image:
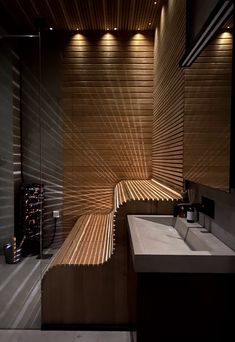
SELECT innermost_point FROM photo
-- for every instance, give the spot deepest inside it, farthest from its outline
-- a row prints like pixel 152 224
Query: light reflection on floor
pixel 20 293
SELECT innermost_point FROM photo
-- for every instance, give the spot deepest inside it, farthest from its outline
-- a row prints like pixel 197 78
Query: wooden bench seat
pixel 90 242
pixel 90 280
pixel 136 190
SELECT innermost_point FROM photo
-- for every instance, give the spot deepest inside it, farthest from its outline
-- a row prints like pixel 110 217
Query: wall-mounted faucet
pixel 207 207
pixel 184 206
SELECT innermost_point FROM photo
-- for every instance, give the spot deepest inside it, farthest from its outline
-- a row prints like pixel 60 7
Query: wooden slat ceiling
pixel 71 15
pixel 229 23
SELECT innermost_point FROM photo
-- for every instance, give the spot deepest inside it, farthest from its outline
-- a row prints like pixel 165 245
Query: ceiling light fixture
pixel 107 29
pixel 115 28
pixel 228 27
pixel 155 3
pixel 51 28
pixel 138 28
pixel 150 23
pixel 77 29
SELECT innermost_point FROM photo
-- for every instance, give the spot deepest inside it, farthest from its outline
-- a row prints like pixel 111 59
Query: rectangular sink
pixel 162 243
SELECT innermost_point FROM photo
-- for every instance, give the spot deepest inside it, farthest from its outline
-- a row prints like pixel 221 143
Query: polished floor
pixel 63 336
pixel 20 313
pixel 20 293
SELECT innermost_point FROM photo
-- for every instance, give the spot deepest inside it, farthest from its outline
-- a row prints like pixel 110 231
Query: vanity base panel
pixel 189 307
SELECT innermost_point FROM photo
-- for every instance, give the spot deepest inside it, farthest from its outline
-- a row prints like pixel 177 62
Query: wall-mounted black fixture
pixel 208 207
pixel 185 207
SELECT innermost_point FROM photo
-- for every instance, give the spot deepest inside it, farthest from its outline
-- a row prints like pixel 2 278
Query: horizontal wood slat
pixel 167 161
pixel 108 101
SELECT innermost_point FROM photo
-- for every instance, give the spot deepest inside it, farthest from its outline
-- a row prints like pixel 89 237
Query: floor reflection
pixel 20 293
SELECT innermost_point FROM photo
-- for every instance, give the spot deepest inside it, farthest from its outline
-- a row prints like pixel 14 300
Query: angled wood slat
pixel 91 241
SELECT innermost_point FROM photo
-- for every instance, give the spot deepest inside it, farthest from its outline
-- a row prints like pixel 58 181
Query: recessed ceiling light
pixel 115 28
pixel 77 29
pixel 107 29
pixel 228 26
pixel 150 24
pixel 51 28
pixel 155 3
pixel 138 28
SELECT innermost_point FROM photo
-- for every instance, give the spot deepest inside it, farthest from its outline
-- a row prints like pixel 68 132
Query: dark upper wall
pixel 108 99
pixel 6 146
pixel 168 112
pixel 198 13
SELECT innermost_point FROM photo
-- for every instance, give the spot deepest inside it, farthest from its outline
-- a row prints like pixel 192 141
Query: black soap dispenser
pixel 190 215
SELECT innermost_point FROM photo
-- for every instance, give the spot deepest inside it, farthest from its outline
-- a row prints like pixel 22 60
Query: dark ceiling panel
pixel 69 15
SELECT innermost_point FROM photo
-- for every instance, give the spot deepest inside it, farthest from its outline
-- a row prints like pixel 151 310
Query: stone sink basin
pixel 162 243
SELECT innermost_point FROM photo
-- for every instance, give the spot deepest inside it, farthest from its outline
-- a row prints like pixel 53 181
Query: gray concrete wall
pixel 223 225
pixel 6 147
pixel 42 127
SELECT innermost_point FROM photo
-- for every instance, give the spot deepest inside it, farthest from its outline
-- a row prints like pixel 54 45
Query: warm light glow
pixel 155 3
pixel 77 29
pixel 107 35
pixel 228 27
pixel 138 36
pixel 105 38
pixel 162 19
pixel 225 35
pixel 79 36
pixel 115 28
pixel 150 24
pixel 138 28
pixel 51 28
pixel 108 29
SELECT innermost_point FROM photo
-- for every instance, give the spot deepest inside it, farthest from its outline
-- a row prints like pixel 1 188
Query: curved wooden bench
pixel 100 295
pixel 90 242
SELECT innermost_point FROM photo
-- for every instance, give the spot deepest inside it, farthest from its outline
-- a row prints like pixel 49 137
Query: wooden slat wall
pixel 207 114
pixel 108 101
pixel 169 95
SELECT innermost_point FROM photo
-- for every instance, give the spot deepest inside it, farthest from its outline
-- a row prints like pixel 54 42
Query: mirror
pixel 207 123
